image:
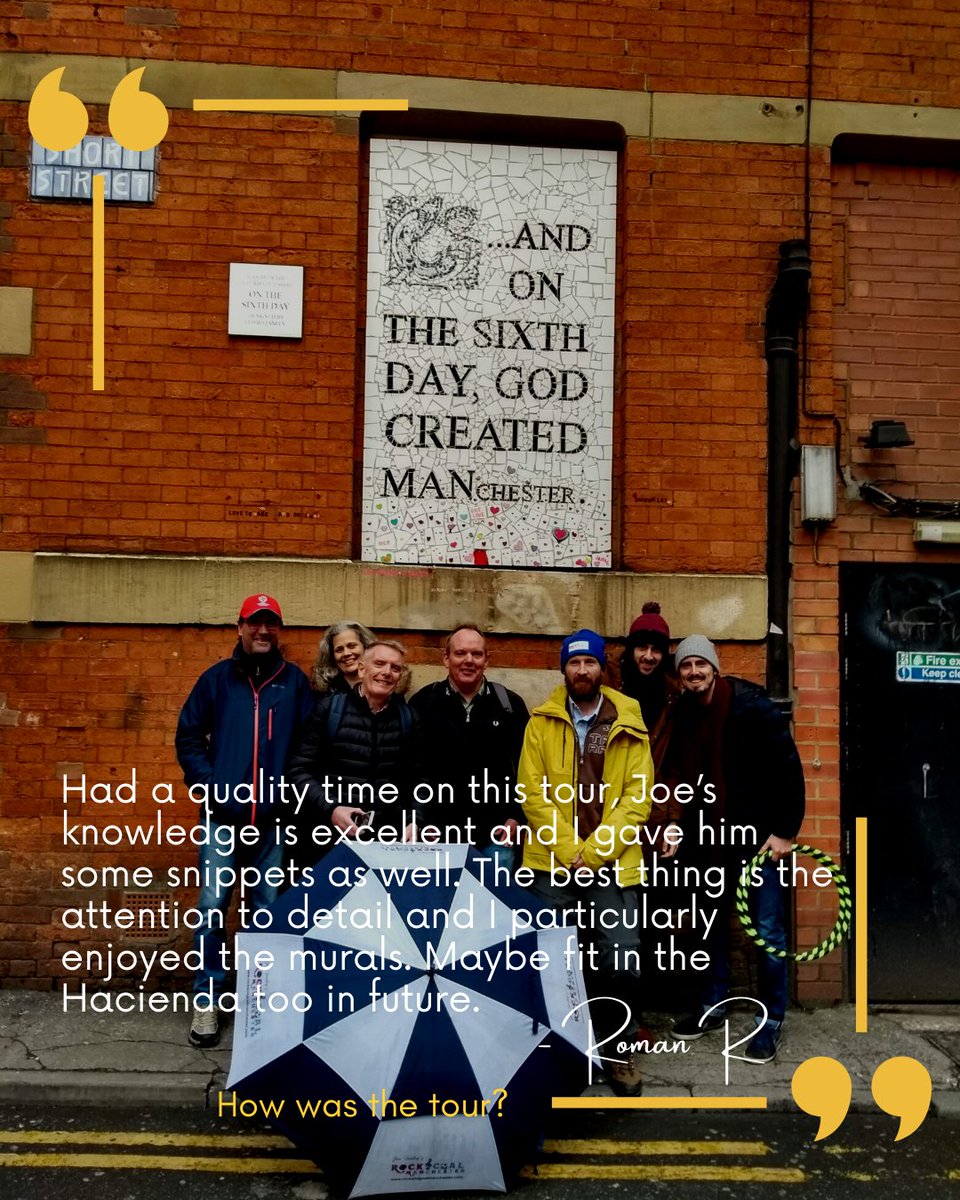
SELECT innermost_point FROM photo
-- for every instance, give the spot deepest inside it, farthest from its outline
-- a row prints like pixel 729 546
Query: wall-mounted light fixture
pixel 818 487
pixel 944 532
pixel 887 435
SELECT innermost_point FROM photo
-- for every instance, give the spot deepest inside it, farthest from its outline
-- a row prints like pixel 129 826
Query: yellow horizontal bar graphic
pixel 647 1149
pixel 661 1102
pixel 703 1173
pixel 164 1162
pixel 287 105
pixel 80 1137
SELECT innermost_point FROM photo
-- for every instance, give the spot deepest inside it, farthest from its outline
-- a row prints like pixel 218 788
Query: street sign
pixel 915 666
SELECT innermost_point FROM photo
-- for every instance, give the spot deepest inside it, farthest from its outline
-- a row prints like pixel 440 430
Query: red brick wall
pixel 891 54
pixel 675 46
pixel 199 442
pixel 701 231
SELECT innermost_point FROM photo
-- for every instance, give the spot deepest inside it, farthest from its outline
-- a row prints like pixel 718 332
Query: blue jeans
pixel 215 897
pixel 766 905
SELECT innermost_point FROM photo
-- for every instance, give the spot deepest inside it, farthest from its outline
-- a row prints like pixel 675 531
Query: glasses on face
pixel 261 622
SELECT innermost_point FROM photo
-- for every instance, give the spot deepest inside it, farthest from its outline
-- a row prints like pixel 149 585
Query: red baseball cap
pixel 260 602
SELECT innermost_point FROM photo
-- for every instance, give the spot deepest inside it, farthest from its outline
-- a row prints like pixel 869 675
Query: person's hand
pixel 670 847
pixel 410 833
pixel 779 847
pixel 344 819
pixel 509 828
pixel 579 865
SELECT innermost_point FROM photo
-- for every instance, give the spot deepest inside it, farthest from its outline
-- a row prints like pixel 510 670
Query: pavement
pixel 144 1059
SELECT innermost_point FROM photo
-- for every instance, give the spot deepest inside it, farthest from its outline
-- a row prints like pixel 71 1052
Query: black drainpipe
pixel 786 311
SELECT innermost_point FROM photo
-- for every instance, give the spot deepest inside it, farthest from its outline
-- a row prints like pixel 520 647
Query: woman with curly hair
pixel 337 667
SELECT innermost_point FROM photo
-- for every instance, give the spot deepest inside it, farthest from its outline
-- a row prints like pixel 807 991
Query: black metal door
pixel 901 738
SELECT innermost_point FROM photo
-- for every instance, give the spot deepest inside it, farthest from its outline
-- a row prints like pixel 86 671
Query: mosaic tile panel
pixel 489 355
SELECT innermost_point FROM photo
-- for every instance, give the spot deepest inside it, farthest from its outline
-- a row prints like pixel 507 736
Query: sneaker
pixel 624 1076
pixel 688 1029
pixel 763 1046
pixel 205 1029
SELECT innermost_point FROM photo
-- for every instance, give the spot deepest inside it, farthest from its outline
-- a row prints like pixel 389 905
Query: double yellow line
pixel 681 1171
pixel 273 1165
pixel 276 1163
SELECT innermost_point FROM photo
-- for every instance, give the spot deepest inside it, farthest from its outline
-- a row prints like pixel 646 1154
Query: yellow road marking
pixel 601 1146
pixel 219 1141
pixel 164 1162
pixel 661 1102
pixel 703 1173
pixel 287 105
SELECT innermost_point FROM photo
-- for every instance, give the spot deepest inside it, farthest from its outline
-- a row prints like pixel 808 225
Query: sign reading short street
pixel 928 667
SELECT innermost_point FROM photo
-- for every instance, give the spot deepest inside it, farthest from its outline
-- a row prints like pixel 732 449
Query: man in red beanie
pixel 646 677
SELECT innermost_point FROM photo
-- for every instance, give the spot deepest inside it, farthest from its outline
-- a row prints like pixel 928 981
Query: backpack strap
pixel 502 695
pixel 338 703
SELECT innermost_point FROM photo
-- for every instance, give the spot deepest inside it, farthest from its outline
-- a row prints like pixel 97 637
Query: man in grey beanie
pixel 733 745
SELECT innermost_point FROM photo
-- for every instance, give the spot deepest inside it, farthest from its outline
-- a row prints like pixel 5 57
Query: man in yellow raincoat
pixel 586 774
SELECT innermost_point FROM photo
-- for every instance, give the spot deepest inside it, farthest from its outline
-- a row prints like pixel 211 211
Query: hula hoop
pixel 836 935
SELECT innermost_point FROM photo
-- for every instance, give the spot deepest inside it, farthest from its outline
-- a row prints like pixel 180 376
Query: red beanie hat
pixel 650 621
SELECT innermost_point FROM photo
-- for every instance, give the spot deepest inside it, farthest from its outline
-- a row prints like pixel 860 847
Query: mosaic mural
pixel 489 356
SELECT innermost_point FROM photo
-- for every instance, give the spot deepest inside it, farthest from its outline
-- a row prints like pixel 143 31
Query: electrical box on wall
pixel 818 489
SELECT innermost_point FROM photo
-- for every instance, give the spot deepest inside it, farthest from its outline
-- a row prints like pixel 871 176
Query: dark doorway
pixel 901 742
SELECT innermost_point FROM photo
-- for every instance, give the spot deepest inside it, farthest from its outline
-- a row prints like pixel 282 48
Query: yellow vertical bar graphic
pixel 860 926
pixel 98 283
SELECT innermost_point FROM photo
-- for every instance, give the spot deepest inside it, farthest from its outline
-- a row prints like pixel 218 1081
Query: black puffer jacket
pixel 761 765
pixel 366 748
pixel 455 748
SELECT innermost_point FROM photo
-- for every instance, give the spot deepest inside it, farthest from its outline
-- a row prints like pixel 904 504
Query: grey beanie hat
pixel 697 646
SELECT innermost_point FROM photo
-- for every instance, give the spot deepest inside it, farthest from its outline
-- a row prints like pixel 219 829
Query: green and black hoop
pixel 836 935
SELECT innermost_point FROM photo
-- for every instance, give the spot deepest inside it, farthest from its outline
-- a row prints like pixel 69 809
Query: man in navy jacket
pixel 237 728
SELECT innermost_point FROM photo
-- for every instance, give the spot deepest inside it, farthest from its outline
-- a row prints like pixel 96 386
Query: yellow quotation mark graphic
pixel 900 1086
pixel 138 120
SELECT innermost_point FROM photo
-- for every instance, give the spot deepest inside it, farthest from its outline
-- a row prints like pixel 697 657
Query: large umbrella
pixel 407 1022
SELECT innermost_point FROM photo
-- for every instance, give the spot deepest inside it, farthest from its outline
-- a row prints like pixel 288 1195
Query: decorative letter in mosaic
pixel 489 358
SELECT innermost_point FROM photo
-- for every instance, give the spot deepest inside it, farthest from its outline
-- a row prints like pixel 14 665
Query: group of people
pixel 569 785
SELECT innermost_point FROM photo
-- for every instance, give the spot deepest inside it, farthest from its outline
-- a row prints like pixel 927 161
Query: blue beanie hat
pixel 584 641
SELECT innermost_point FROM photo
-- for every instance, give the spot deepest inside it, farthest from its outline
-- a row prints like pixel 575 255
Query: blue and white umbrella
pixel 408 1022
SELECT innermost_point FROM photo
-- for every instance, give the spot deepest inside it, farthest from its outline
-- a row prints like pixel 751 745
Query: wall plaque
pixel 266 300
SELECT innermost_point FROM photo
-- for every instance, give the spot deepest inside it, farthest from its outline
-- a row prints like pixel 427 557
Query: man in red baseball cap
pixel 238 726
